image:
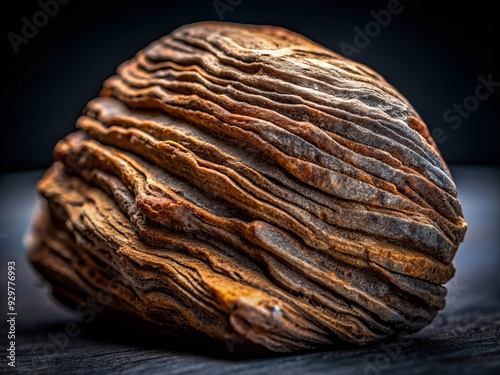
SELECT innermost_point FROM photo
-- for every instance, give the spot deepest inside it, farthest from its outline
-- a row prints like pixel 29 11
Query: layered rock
pixel 244 183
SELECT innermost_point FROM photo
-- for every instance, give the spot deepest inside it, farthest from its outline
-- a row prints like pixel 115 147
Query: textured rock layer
pixel 244 183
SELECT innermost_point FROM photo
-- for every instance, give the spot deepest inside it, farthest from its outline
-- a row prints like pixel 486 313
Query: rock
pixel 246 184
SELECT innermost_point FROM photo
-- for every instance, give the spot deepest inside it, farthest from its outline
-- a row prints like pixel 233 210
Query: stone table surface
pixel 52 339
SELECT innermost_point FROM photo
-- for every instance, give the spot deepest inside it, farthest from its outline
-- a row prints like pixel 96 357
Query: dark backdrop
pixel 436 57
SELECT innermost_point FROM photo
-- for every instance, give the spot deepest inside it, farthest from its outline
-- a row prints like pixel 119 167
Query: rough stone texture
pixel 245 184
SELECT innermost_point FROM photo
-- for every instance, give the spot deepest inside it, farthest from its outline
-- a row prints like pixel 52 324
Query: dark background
pixel 433 56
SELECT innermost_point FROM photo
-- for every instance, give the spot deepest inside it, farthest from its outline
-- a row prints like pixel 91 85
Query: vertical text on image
pixel 11 314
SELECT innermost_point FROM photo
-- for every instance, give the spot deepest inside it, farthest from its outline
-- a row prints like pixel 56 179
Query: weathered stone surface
pixel 244 183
